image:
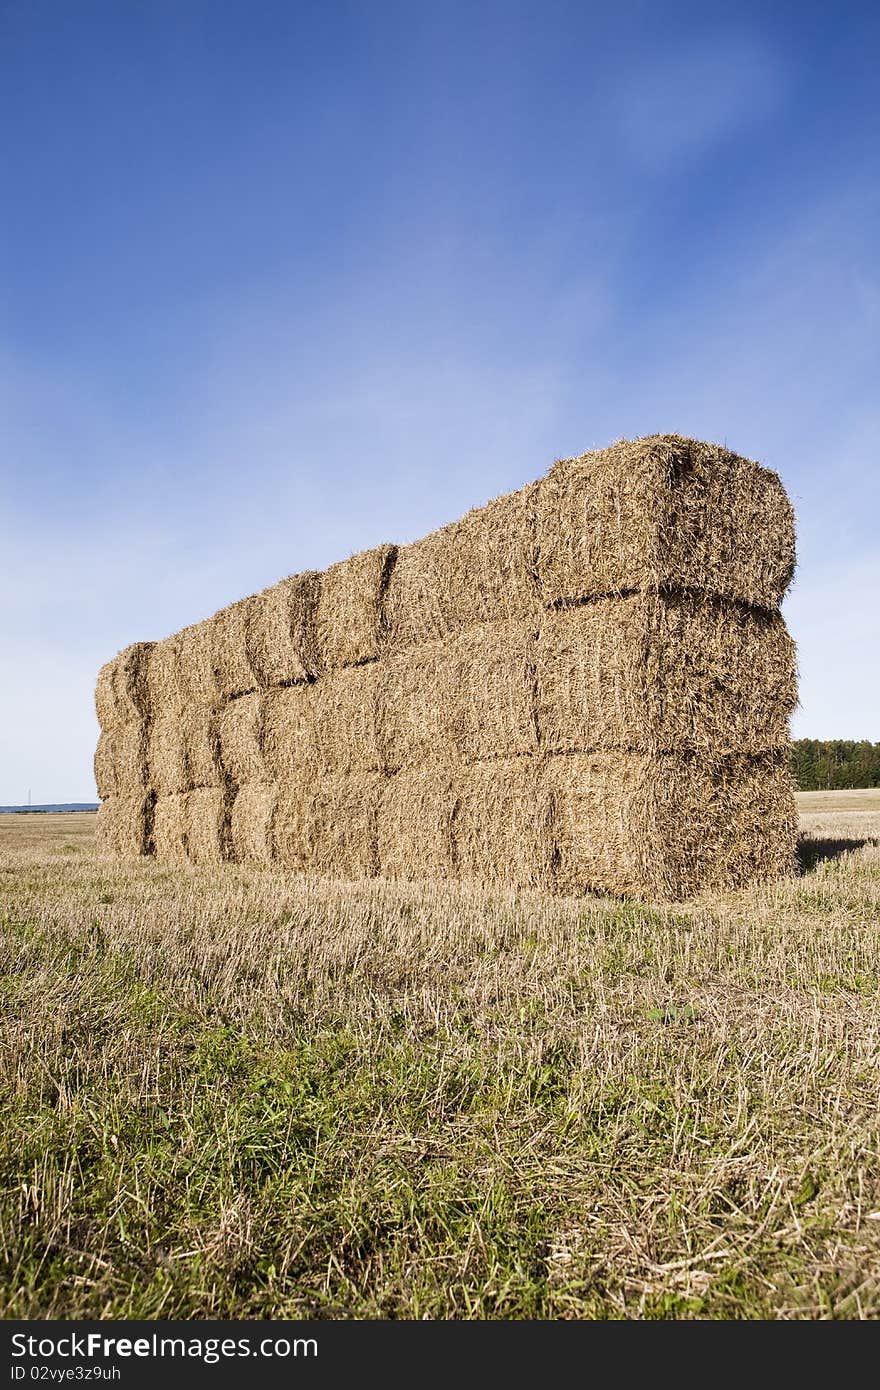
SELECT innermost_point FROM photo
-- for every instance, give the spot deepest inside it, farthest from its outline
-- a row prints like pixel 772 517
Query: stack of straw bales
pixel 582 686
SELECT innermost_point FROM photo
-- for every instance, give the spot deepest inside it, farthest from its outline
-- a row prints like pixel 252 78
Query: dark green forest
pixel 835 763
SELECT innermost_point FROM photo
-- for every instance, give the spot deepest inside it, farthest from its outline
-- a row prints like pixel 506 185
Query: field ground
pixel 240 1094
pixel 864 800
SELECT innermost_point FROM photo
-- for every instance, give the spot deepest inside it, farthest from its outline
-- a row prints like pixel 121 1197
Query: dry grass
pixel 233 1091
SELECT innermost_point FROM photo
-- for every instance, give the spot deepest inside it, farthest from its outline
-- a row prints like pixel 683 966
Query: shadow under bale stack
pixel 583 686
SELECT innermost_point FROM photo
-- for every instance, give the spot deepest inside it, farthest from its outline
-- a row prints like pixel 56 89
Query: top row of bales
pixel 661 514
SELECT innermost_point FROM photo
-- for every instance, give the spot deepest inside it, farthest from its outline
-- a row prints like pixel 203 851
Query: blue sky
pixel 282 281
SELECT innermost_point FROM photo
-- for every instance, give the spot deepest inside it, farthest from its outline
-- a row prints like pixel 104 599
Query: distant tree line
pixel 835 763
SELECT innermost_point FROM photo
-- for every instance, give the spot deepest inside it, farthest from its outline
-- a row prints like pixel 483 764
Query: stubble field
pixel 235 1093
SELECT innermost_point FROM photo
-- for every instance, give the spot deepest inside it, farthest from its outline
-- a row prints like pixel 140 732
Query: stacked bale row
pixel 584 685
pixel 121 771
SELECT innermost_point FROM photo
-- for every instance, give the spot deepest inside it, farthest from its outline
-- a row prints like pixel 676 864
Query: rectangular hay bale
pixel 584 685
pixel 230 649
pixel 350 612
pixel 163 677
pixel 328 726
pixel 191 827
pixel 207 822
pixel 502 828
pixel 252 823
pixel 121 760
pixel 184 750
pixel 166 755
pixel 195 655
pixel 123 826
pixel 479 569
pixel 665 672
pixel 169 829
pixel 467 697
pixel 343 712
pixel 662 513
pixel 415 824
pixel 669 826
pixel 288 744
pixel 121 693
pixel 282 632
pixel 328 825
pixel 202 746
pixel 409 715
pixel 240 732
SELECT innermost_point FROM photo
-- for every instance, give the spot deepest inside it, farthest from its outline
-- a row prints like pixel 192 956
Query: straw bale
pixel 121 689
pixel 479 569
pixel 328 726
pixel 487 691
pixel 415 824
pixel 123 825
pixel 206 821
pixel 163 676
pixel 169 829
pixel 191 826
pixel 166 755
pixel 328 825
pixel 282 639
pixel 201 746
pixel 195 653
pixel 229 635
pixel 350 612
pixel 121 760
pixel 343 711
pixel 502 829
pixel 672 825
pixel 252 821
pixel 468 697
pixel 664 672
pixel 664 512
pixel 410 716
pixel 184 750
pixel 240 727
pixel 288 742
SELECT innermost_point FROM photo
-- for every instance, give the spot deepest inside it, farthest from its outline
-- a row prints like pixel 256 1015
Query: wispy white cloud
pixel 680 100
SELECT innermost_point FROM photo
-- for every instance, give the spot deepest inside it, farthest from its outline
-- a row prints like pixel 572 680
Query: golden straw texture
pixel 350 613
pixel 581 686
pixel 664 513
